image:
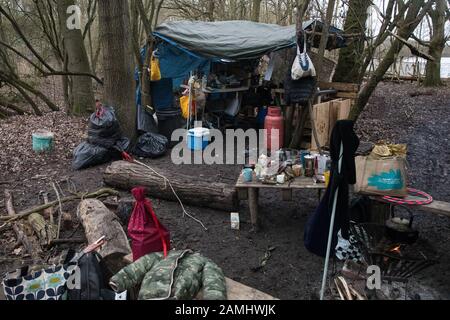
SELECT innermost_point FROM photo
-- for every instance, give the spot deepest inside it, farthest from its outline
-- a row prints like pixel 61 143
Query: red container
pixel 274 125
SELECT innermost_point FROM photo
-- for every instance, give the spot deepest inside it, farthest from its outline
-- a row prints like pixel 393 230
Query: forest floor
pixel 291 272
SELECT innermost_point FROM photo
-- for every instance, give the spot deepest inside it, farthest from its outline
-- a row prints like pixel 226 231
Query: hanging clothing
pixel 318 226
pixel 299 91
pixel 162 94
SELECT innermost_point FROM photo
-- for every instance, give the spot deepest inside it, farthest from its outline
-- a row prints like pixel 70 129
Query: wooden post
pixel 253 206
pixel 288 123
pixel 297 138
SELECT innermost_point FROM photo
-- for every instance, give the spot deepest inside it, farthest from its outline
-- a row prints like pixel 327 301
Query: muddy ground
pixel 291 272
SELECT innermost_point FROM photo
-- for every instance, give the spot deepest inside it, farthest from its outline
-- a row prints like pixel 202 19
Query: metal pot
pixel 401 230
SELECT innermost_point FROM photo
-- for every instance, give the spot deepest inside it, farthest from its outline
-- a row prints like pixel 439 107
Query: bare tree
pixel 440 14
pixel 115 31
pixel 351 57
pixel 76 60
pixel 415 12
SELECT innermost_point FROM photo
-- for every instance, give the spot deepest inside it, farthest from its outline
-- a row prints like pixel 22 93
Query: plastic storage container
pixel 168 121
pixel 274 121
pixel 198 139
pixel 43 141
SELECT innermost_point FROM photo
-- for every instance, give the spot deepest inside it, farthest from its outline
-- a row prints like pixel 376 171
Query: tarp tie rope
pixel 100 112
pixel 130 159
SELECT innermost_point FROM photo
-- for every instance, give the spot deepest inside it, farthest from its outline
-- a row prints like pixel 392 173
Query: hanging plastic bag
pixel 148 235
pixel 155 70
pixel 303 66
pixel 184 102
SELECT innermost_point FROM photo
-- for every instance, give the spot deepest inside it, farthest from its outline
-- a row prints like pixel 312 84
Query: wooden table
pixel 250 191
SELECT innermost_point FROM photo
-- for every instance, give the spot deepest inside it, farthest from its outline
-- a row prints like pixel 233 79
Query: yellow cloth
pixel 184 102
pixel 155 71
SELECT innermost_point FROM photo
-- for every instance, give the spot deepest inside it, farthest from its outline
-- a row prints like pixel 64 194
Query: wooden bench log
pixel 191 189
pixel 436 207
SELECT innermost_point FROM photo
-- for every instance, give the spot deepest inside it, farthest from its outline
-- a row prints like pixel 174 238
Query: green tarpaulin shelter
pixel 236 40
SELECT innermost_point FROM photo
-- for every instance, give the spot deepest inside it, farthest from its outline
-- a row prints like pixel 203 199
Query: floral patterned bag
pixel 45 284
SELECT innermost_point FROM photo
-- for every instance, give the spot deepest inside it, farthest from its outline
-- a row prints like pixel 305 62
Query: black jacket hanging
pixel 318 226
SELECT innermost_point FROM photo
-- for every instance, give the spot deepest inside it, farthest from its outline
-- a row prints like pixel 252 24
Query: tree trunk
pixel 191 190
pixel 324 38
pixel 118 62
pixel 256 10
pixel 408 26
pixel 211 9
pixel 351 58
pixel 437 45
pixel 83 100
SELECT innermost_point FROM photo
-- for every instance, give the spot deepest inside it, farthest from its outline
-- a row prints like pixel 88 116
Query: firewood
pixel 30 245
pixel 46 232
pixel 105 192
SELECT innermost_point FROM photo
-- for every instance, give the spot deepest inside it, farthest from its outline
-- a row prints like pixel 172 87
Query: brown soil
pixel 291 272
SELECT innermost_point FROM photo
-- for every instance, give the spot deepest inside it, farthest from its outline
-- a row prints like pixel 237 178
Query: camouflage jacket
pixel 180 276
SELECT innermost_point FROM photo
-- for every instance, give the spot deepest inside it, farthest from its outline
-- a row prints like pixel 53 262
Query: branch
pixel 105 192
pixel 420 41
pixel 413 49
pixel 52 72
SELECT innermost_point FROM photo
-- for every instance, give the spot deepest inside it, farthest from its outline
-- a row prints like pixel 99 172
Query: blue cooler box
pixel 198 139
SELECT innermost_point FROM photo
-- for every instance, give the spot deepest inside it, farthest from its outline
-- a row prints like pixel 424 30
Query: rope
pixel 427 199
pixel 128 158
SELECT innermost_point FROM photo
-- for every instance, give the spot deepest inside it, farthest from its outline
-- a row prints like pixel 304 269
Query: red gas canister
pixel 274 126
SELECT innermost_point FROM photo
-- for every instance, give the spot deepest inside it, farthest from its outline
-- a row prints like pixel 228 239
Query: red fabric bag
pixel 148 235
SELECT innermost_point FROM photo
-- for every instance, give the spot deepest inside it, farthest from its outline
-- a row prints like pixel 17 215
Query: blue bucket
pixel 43 141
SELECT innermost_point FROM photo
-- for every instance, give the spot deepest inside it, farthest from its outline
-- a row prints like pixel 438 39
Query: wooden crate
pixel 344 90
pixel 325 117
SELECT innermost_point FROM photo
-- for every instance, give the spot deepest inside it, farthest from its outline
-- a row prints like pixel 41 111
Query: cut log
pixel 98 221
pixel 190 189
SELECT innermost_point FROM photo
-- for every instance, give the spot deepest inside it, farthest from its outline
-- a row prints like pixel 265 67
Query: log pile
pixel 124 175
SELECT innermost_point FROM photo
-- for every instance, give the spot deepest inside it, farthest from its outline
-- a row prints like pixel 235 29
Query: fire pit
pixel 397 262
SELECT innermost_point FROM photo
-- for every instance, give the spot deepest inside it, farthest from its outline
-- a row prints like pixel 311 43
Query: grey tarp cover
pixel 229 39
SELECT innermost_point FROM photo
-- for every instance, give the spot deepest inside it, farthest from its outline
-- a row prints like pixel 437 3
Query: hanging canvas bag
pixel 303 66
pixel 148 235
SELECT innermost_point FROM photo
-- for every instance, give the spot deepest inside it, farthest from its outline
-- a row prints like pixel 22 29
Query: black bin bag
pixel 88 155
pixel 104 128
pixel 151 145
